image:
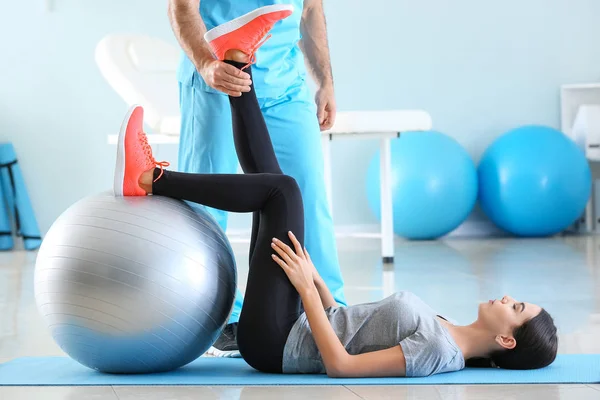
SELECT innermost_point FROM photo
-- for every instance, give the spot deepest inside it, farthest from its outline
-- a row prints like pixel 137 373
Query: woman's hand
pixel 295 263
pixel 315 273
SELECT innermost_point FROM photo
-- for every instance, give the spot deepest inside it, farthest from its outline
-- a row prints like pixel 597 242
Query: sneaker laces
pixel 254 49
pixel 150 158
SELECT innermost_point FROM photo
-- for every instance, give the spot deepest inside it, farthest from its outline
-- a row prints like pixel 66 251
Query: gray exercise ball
pixel 135 284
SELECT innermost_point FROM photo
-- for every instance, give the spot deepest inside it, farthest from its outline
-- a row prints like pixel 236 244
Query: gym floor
pixel 453 276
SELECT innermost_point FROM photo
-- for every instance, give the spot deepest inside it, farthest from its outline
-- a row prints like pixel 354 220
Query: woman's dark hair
pixel 537 344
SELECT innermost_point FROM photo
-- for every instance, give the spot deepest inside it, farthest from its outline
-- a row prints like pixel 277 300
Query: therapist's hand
pixel 326 108
pixel 225 78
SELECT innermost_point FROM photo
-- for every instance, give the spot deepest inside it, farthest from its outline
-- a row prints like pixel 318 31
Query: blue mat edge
pixel 187 376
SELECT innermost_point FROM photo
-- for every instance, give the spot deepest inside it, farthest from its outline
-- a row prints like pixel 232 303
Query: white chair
pixel 142 70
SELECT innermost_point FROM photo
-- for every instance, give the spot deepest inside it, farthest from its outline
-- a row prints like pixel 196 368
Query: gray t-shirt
pixel 402 319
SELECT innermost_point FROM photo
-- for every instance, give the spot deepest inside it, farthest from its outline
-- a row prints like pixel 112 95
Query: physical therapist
pixel 294 118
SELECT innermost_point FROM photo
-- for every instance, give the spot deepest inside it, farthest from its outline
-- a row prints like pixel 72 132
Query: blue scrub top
pixel 279 62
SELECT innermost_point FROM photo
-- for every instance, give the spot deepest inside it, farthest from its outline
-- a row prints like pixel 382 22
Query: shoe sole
pixel 214 352
pixel 237 23
pixel 120 164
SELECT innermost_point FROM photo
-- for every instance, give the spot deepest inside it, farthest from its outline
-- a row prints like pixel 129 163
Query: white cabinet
pixel 580 120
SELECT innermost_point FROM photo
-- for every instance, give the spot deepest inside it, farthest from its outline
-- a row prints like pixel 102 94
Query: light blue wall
pixel 54 105
pixel 478 67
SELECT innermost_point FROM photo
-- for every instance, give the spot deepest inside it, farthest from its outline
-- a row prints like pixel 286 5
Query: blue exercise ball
pixel 434 185
pixel 534 181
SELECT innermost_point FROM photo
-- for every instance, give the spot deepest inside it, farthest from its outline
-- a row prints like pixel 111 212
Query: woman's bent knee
pixel 287 186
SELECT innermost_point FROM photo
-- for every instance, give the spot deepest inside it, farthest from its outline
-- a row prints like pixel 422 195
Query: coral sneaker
pixel 134 155
pixel 246 33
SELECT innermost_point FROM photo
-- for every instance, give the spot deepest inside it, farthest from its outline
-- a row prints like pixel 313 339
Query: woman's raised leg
pixel 271 303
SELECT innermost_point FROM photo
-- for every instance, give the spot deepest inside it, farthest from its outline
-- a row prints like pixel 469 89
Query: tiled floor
pixel 561 274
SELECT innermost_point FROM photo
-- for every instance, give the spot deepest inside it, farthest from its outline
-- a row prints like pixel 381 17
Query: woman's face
pixel 502 316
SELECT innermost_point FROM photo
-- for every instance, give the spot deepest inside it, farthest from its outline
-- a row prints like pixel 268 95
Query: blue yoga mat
pixel 62 371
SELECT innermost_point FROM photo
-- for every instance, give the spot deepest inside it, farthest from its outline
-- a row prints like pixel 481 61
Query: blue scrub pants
pixel 206 146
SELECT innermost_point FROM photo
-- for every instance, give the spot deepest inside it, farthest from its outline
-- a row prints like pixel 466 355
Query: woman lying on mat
pixel 290 322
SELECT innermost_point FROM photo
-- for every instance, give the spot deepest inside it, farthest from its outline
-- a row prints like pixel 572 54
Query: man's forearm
pixel 314 43
pixel 189 30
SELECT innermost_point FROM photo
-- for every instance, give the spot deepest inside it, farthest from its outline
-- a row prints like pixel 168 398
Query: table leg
pixel 388 280
pixel 387 217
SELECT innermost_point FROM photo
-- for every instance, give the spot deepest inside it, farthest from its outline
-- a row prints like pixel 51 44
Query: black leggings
pixel 272 304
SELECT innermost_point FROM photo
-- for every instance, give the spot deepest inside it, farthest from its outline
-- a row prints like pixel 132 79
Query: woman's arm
pixel 381 363
pixel 300 274
pixel 332 351
pixel 324 293
pixel 338 363
pixel 327 299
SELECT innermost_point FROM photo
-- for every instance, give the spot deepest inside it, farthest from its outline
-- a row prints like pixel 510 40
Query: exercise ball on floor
pixel 534 181
pixel 135 284
pixel 434 185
